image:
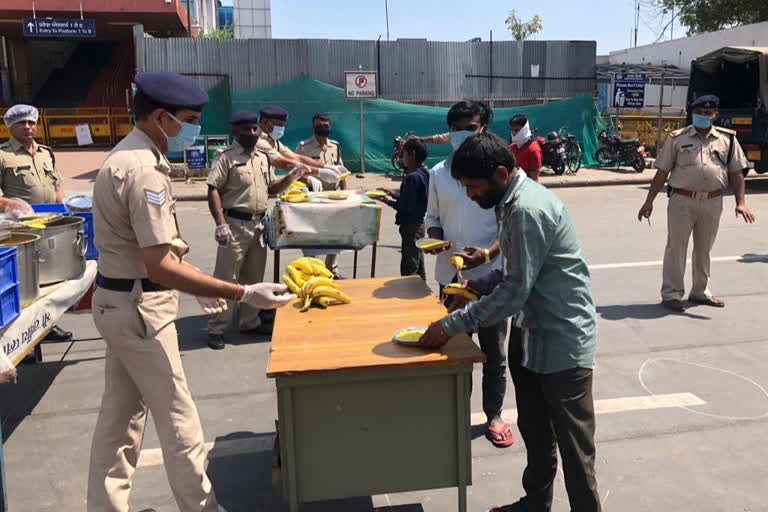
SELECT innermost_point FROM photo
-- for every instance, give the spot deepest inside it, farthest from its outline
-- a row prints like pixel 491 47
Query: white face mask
pixel 523 135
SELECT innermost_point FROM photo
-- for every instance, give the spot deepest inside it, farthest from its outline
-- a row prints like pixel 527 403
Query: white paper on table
pixel 83 134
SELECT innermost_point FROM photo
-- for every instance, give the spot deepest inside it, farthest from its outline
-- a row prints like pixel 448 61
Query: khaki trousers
pixel 686 215
pixel 143 373
pixel 243 260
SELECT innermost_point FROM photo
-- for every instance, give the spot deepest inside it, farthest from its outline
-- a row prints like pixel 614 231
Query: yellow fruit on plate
pixel 428 244
pixel 376 193
pixel 411 335
pixel 345 175
pixel 297 184
pixel 338 197
pixel 457 289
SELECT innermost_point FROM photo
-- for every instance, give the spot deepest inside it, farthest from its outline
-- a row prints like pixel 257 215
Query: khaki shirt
pixel 698 163
pixel 328 153
pixel 32 178
pixel 133 207
pixel 442 138
pixel 273 148
pixel 242 180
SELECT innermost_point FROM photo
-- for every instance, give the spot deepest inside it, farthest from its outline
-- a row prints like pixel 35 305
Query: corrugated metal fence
pixel 413 70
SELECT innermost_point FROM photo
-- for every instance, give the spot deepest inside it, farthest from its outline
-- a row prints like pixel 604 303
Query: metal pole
pixel 637 22
pixel 362 139
pixel 661 114
pixel 386 13
pixel 672 25
pixel 490 70
pixel 189 21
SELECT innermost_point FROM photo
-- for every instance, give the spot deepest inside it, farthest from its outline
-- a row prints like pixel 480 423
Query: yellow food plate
pixel 298 184
pixel 345 175
pixel 338 197
pixel 409 336
pixel 41 218
pixel 428 244
pixel 376 193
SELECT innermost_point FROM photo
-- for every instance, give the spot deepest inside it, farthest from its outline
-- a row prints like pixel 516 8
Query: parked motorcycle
pixel 396 159
pixel 553 152
pixel 615 151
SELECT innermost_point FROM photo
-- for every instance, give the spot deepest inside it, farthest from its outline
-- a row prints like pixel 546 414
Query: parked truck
pixel 738 75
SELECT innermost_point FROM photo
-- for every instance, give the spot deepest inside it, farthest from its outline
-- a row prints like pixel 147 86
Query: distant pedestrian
pixel 410 202
pixel 527 151
pixel 700 160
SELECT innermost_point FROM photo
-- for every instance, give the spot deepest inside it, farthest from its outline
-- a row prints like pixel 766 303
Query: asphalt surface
pixel 682 397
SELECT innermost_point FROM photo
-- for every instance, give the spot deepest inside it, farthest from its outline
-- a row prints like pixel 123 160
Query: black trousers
pixel 555 410
pixel 411 258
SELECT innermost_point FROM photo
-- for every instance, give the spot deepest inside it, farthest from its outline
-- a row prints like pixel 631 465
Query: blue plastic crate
pixel 10 305
pixel 9 275
pixel 50 208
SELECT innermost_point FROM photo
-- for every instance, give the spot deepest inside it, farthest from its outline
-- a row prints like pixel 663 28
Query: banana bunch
pixel 457 289
pixel 313 283
pixel 458 262
pixel 294 195
pixel 297 184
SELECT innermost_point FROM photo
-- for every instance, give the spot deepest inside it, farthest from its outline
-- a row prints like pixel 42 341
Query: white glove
pixel 266 295
pixel 18 208
pixel 298 172
pixel 223 235
pixel 329 176
pixel 340 169
pixel 314 184
pixel 212 305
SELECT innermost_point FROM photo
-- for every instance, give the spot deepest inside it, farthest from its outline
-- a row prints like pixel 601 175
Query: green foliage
pixel 220 33
pixel 710 15
pixel 522 30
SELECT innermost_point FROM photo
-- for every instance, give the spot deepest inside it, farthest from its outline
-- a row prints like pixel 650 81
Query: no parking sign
pixel 360 84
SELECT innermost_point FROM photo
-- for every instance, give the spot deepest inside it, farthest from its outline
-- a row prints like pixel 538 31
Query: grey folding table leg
pixel 3 495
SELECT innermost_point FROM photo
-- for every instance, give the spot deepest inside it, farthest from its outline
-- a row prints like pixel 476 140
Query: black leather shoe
pixel 338 276
pixel 148 510
pixel 216 341
pixel 674 305
pixel 57 334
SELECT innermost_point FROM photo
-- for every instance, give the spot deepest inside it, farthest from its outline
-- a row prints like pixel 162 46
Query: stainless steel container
pixel 62 249
pixel 27 262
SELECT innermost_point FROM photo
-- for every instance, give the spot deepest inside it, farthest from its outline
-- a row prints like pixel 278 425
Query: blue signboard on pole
pixel 58 27
pixel 629 90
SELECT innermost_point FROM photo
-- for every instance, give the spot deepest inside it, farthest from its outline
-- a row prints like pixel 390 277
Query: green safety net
pixel 384 119
pixel 214 118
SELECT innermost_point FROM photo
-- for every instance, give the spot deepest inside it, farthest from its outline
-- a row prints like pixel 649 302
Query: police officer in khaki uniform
pixel 326 151
pixel 28 172
pixel 700 161
pixel 238 189
pixel 140 268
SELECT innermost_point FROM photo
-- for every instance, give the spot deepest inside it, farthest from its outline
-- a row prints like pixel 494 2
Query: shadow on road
pixel 193 333
pixel 240 469
pixel 641 312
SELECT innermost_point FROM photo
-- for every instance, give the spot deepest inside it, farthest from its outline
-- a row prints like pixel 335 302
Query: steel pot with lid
pixel 27 262
pixel 62 249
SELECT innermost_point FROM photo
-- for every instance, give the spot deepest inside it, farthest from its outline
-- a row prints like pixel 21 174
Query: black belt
pixel 241 215
pixel 126 285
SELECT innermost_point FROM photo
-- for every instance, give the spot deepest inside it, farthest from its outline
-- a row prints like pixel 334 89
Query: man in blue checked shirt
pixel 545 284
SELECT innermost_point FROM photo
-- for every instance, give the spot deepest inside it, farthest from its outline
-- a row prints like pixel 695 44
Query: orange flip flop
pixel 501 443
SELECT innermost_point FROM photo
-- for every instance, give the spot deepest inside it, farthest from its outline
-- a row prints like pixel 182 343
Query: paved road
pixel 682 398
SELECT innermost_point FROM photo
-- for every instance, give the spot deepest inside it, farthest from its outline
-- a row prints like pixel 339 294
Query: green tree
pixel 220 33
pixel 522 30
pixel 710 15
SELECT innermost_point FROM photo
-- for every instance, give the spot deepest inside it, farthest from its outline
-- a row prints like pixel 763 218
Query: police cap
pixel 706 101
pixel 19 113
pixel 243 117
pixel 274 112
pixel 171 89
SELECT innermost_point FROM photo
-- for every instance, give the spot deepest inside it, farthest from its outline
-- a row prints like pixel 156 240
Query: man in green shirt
pixel 545 286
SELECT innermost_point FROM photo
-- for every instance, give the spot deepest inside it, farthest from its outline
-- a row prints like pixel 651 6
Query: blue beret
pixel 274 112
pixel 706 101
pixel 171 89
pixel 244 117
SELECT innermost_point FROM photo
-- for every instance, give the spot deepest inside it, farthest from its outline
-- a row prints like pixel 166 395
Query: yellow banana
pixel 297 184
pixel 304 266
pixel 321 270
pixel 457 289
pixel 296 289
pixel 314 282
pixel 324 302
pixel 307 302
pixel 430 244
pixel 458 262
pixel 333 293
pixel 294 274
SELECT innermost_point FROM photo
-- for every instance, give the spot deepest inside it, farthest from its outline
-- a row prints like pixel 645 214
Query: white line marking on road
pixel 633 264
pixel 703 413
pixel 154 457
pixel 614 405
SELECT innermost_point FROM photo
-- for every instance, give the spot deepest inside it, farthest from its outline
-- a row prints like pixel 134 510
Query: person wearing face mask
pixel 325 151
pixel 699 161
pixel 454 217
pixel 140 272
pixel 525 148
pixel 238 189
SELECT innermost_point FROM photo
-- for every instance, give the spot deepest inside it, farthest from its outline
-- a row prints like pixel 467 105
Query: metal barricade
pixel 122 123
pixel 61 122
pixel 645 127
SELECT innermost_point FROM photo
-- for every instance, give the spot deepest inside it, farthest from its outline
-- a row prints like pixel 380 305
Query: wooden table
pixel 360 415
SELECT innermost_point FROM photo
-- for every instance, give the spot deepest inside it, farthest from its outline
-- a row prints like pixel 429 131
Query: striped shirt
pixel 545 283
